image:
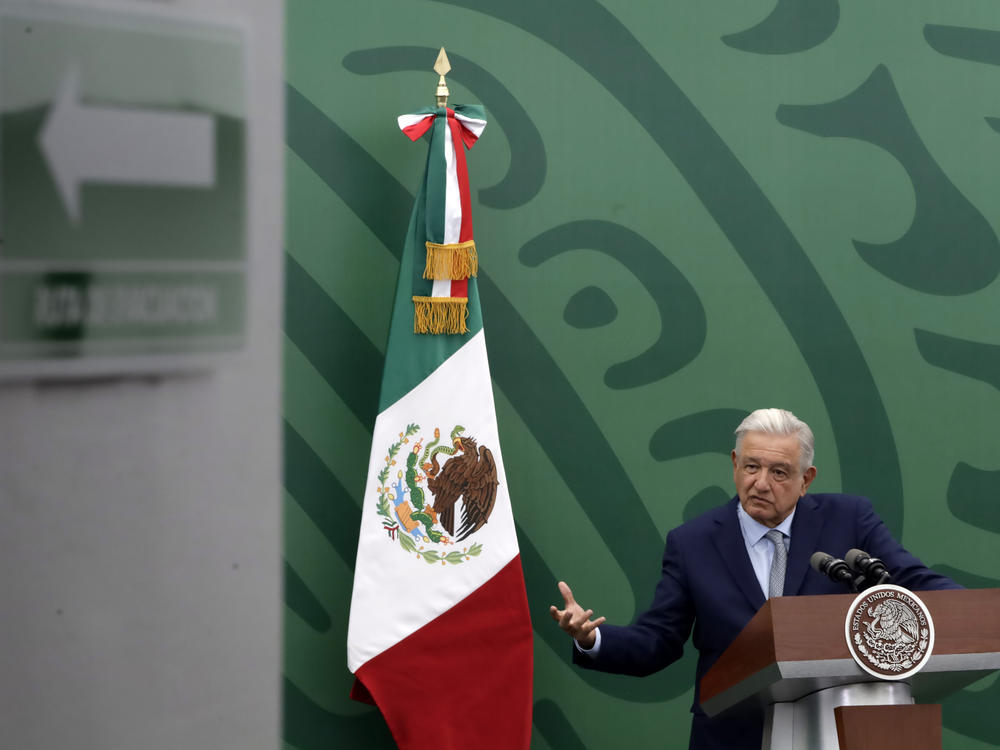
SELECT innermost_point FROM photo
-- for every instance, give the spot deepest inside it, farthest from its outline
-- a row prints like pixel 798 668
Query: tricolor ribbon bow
pixel 441 292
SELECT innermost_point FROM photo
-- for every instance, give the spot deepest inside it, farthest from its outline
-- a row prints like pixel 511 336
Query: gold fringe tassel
pixel 440 314
pixel 455 261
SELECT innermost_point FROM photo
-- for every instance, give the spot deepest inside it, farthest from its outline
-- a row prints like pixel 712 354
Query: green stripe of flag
pixel 411 357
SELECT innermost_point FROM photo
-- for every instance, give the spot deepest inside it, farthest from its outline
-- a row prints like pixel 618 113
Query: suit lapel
pixel 732 548
pixel 806 528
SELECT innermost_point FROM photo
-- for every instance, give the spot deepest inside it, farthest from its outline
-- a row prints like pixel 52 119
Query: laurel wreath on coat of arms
pixel 426 525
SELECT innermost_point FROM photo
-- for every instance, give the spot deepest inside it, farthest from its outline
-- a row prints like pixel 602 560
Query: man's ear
pixel 807 479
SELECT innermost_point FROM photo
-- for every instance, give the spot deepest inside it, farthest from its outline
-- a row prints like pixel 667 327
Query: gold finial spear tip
pixel 441 67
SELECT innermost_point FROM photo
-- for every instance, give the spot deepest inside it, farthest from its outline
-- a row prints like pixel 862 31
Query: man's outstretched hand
pixel 574 619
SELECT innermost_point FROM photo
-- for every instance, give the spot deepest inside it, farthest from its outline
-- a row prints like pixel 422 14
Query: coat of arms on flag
pixel 438 586
pixel 467 479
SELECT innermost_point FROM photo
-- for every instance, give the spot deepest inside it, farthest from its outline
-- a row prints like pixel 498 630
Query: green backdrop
pixel 684 211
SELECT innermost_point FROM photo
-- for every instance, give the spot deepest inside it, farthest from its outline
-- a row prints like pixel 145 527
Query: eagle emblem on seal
pixel 892 624
pixel 444 494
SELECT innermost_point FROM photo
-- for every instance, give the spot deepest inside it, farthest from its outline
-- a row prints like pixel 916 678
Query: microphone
pixel 871 568
pixel 832 568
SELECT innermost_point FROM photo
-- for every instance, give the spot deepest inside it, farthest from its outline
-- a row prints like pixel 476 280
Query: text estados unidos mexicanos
pixel 98 305
pixel 856 617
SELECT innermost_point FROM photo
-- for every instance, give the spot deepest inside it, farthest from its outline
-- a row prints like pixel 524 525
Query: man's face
pixel 767 476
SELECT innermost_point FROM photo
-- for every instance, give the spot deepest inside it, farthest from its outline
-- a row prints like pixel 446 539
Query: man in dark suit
pixel 719 568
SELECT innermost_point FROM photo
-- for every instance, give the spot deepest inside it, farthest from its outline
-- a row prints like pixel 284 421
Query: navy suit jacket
pixel 708 584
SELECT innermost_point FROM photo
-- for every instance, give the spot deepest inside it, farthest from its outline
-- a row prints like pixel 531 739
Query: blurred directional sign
pixel 120 145
pixel 122 190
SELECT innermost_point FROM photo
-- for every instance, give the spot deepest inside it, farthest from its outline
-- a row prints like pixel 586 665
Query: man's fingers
pixel 592 625
pixel 567 593
pixel 574 619
pixel 566 620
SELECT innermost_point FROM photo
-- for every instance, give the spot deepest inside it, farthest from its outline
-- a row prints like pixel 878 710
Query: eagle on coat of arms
pixel 419 505
pixel 470 474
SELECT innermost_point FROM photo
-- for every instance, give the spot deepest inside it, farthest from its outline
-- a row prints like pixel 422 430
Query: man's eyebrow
pixel 776 465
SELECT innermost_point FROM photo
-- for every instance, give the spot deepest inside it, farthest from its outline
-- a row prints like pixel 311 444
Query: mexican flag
pixel 440 637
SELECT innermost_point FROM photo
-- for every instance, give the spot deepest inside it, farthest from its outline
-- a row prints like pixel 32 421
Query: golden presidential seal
pixel 889 632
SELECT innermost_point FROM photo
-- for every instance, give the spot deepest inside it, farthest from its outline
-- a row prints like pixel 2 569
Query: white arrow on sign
pixel 118 145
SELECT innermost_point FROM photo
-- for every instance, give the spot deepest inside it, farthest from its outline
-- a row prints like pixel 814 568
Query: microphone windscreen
pixel 819 561
pixel 854 556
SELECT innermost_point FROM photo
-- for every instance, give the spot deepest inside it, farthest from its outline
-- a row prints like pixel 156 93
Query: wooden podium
pixel 792 659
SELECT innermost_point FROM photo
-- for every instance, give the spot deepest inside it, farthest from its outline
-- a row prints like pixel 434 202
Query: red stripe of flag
pixel 417 129
pixel 487 703
pixel 468 137
pixel 465 233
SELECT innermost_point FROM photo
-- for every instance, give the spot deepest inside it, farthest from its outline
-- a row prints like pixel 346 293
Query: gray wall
pixel 140 517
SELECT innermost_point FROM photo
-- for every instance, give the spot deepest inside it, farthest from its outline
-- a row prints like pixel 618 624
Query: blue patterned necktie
pixel 776 581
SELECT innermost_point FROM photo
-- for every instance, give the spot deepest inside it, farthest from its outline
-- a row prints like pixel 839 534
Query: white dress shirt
pixel 760 550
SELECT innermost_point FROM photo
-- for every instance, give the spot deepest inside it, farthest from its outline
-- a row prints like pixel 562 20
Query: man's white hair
pixel 779 422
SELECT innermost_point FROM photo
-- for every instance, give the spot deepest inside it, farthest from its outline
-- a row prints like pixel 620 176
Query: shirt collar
pixel 754 531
